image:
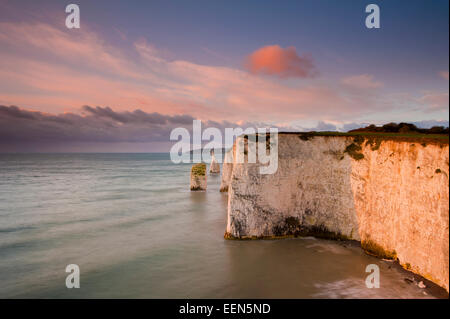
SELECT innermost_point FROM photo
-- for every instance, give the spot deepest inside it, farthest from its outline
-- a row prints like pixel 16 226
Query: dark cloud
pixel 95 124
pixel 24 130
pixel 103 129
pixel 15 112
pixel 137 116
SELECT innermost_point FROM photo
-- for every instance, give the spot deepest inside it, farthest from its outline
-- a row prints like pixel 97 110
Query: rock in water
pixel 198 177
pixel 421 285
pixel 214 167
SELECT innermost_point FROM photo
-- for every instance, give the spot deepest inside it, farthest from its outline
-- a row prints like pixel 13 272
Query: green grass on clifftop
pixel 199 169
pixel 407 137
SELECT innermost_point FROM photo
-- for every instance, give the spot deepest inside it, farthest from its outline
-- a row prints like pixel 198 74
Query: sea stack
pixel 198 177
pixel 214 167
pixel 227 169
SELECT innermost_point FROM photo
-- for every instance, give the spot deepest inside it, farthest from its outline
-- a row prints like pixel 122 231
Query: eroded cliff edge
pixel 389 194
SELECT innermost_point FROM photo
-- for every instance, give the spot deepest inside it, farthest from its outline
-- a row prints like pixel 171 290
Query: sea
pixel 134 229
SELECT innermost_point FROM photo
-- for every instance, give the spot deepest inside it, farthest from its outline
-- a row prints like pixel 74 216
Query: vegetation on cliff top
pixel 402 128
pixel 199 169
pixel 375 134
pixel 407 137
pixel 354 149
pixel 392 131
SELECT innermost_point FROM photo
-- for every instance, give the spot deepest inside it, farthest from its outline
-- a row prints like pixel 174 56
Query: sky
pixel 136 70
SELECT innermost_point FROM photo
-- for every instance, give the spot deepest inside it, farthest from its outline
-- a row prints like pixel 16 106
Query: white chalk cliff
pixel 392 195
pixel 227 169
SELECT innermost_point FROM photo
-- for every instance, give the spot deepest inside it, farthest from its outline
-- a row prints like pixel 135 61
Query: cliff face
pixel 402 203
pixel 391 195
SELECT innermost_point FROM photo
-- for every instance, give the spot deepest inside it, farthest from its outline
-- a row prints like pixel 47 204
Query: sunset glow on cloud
pixel 363 81
pixel 85 70
pixel 48 68
pixel 274 60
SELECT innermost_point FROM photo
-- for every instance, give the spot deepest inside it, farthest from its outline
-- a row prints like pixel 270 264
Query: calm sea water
pixel 135 230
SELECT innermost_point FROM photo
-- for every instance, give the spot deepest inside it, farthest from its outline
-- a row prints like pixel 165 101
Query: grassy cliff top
pixel 407 132
pixel 401 132
pixel 198 169
pixel 413 137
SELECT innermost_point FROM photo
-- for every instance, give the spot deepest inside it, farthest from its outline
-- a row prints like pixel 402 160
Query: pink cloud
pixel 274 60
pixel 363 81
pixel 51 70
pixel 435 101
pixel 444 74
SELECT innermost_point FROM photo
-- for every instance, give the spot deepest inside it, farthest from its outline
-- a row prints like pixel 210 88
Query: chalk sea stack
pixel 214 167
pixel 227 169
pixel 198 177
